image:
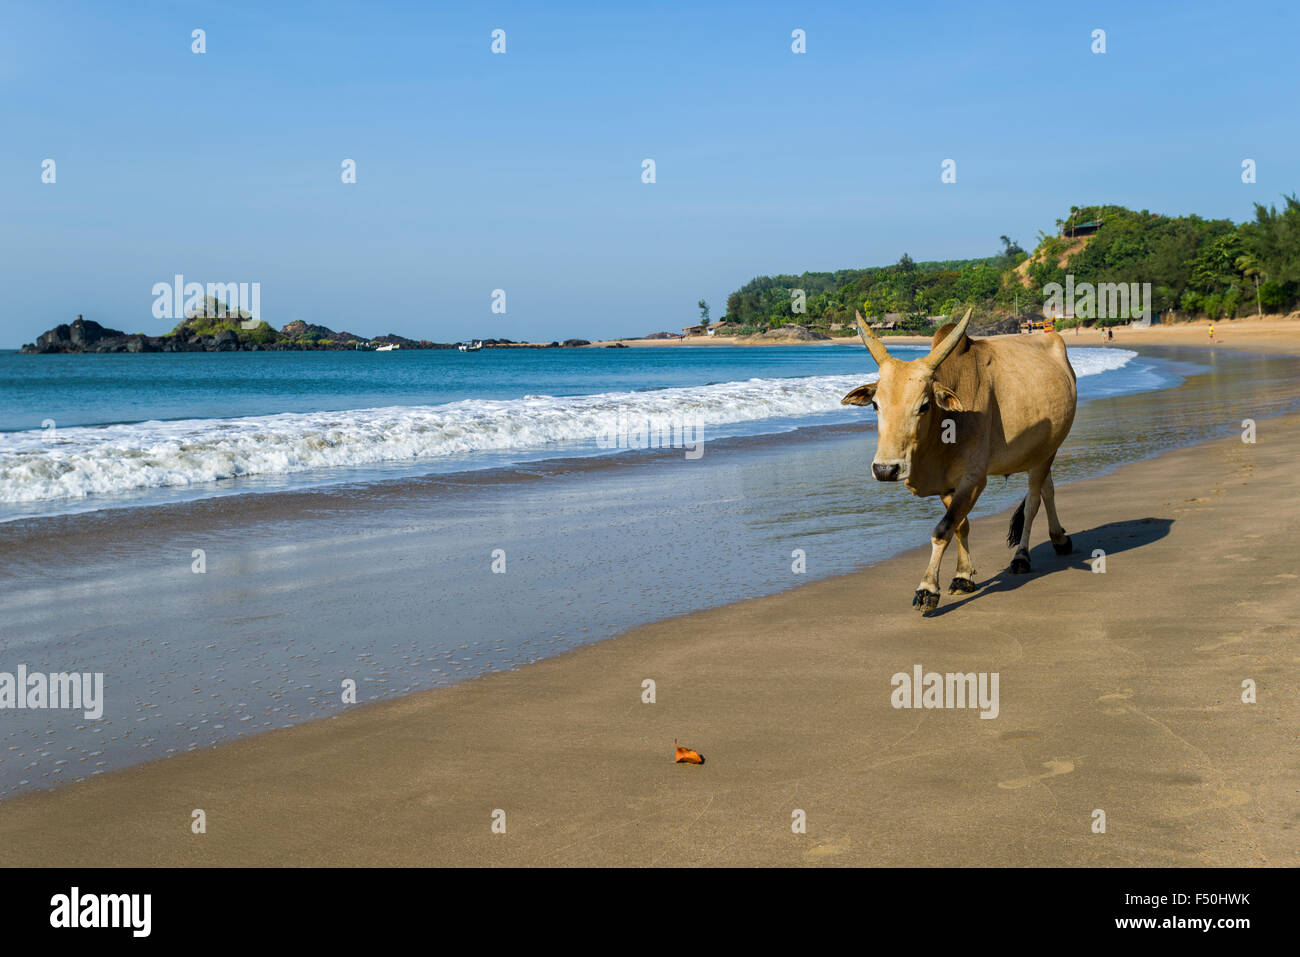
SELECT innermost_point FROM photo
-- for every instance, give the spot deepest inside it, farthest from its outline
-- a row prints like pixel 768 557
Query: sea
pixel 86 432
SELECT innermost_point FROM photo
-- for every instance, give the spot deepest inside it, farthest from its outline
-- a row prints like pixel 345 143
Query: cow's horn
pixel 874 345
pixel 944 348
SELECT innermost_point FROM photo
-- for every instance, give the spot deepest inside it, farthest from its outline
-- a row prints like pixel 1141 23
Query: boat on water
pixel 388 347
pixel 474 346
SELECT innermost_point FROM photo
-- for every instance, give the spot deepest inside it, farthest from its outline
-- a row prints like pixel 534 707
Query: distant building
pixel 1082 229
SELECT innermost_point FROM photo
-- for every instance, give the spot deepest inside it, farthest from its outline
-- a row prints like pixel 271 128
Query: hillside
pixel 1196 267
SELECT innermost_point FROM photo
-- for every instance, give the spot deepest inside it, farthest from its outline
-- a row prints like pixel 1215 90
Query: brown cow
pixel 970 409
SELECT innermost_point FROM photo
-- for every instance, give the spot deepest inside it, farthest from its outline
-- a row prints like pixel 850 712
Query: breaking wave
pixel 80 462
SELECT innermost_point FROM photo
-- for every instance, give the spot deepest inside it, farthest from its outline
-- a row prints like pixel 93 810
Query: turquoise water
pixel 107 389
pixel 82 432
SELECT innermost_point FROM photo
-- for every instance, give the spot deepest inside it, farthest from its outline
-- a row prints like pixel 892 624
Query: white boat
pixel 387 348
pixel 474 346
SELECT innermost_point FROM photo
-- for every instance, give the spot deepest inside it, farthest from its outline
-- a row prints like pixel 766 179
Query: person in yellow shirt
pixel 1211 332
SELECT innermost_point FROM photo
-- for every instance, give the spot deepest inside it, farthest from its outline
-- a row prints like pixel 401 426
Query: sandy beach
pixel 1119 691
pixel 1275 334
pixel 1271 333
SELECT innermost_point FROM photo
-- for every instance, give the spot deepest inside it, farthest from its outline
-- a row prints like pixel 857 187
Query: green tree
pixel 1249 267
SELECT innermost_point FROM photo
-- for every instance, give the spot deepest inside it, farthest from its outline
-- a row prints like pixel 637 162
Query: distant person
pixel 1211 332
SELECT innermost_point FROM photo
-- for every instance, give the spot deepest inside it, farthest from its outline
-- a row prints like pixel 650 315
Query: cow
pixel 970 409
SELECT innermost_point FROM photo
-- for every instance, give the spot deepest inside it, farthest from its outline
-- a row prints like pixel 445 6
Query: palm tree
pixel 1251 269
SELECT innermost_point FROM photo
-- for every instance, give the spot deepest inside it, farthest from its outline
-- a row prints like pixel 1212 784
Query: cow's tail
pixel 1017 525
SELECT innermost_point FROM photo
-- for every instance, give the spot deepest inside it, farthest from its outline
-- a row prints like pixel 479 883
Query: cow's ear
pixel 946 399
pixel 862 395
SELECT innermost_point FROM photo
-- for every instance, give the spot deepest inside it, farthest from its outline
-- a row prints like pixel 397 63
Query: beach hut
pixel 1082 229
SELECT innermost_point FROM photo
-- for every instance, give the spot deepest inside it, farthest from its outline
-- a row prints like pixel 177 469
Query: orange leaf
pixel 687 755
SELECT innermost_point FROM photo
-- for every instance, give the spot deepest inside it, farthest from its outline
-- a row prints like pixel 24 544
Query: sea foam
pixel 80 462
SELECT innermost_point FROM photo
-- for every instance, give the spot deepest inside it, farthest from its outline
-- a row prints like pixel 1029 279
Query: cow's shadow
pixel 1113 538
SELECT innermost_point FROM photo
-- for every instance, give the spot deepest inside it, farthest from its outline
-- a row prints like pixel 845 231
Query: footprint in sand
pixel 1223 800
pixel 1235 640
pixel 1122 695
pixel 1018 735
pixel 1053 769
pixel 829 848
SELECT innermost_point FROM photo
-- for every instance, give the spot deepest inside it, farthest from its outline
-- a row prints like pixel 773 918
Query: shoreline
pixel 787 696
pixel 1271 333
pixel 204 452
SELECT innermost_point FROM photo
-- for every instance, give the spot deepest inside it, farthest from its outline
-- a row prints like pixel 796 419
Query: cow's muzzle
pixel 885 473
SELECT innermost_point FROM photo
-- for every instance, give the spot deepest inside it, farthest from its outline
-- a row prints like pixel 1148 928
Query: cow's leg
pixel 964 580
pixel 959 504
pixel 1020 562
pixel 1060 541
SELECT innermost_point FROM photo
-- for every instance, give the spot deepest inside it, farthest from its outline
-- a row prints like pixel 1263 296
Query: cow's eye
pixel 874 406
pixel 925 406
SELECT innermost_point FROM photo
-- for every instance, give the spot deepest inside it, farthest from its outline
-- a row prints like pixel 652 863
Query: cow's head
pixel 905 398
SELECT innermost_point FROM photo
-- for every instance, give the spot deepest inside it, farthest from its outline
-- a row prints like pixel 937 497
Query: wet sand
pixel 1119 692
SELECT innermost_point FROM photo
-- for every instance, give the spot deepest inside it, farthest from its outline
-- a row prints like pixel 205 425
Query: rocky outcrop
pixel 798 333
pixel 85 335
pixel 202 334
pixel 1001 327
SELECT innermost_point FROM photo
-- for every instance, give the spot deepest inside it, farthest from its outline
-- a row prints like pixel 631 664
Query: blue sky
pixel 522 171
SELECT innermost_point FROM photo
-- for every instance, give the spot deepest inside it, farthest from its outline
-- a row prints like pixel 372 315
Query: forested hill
pixel 1196 267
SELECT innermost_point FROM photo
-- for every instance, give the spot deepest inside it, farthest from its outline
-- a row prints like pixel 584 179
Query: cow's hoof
pixel 925 600
pixel 1020 564
pixel 1065 547
pixel 962 585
